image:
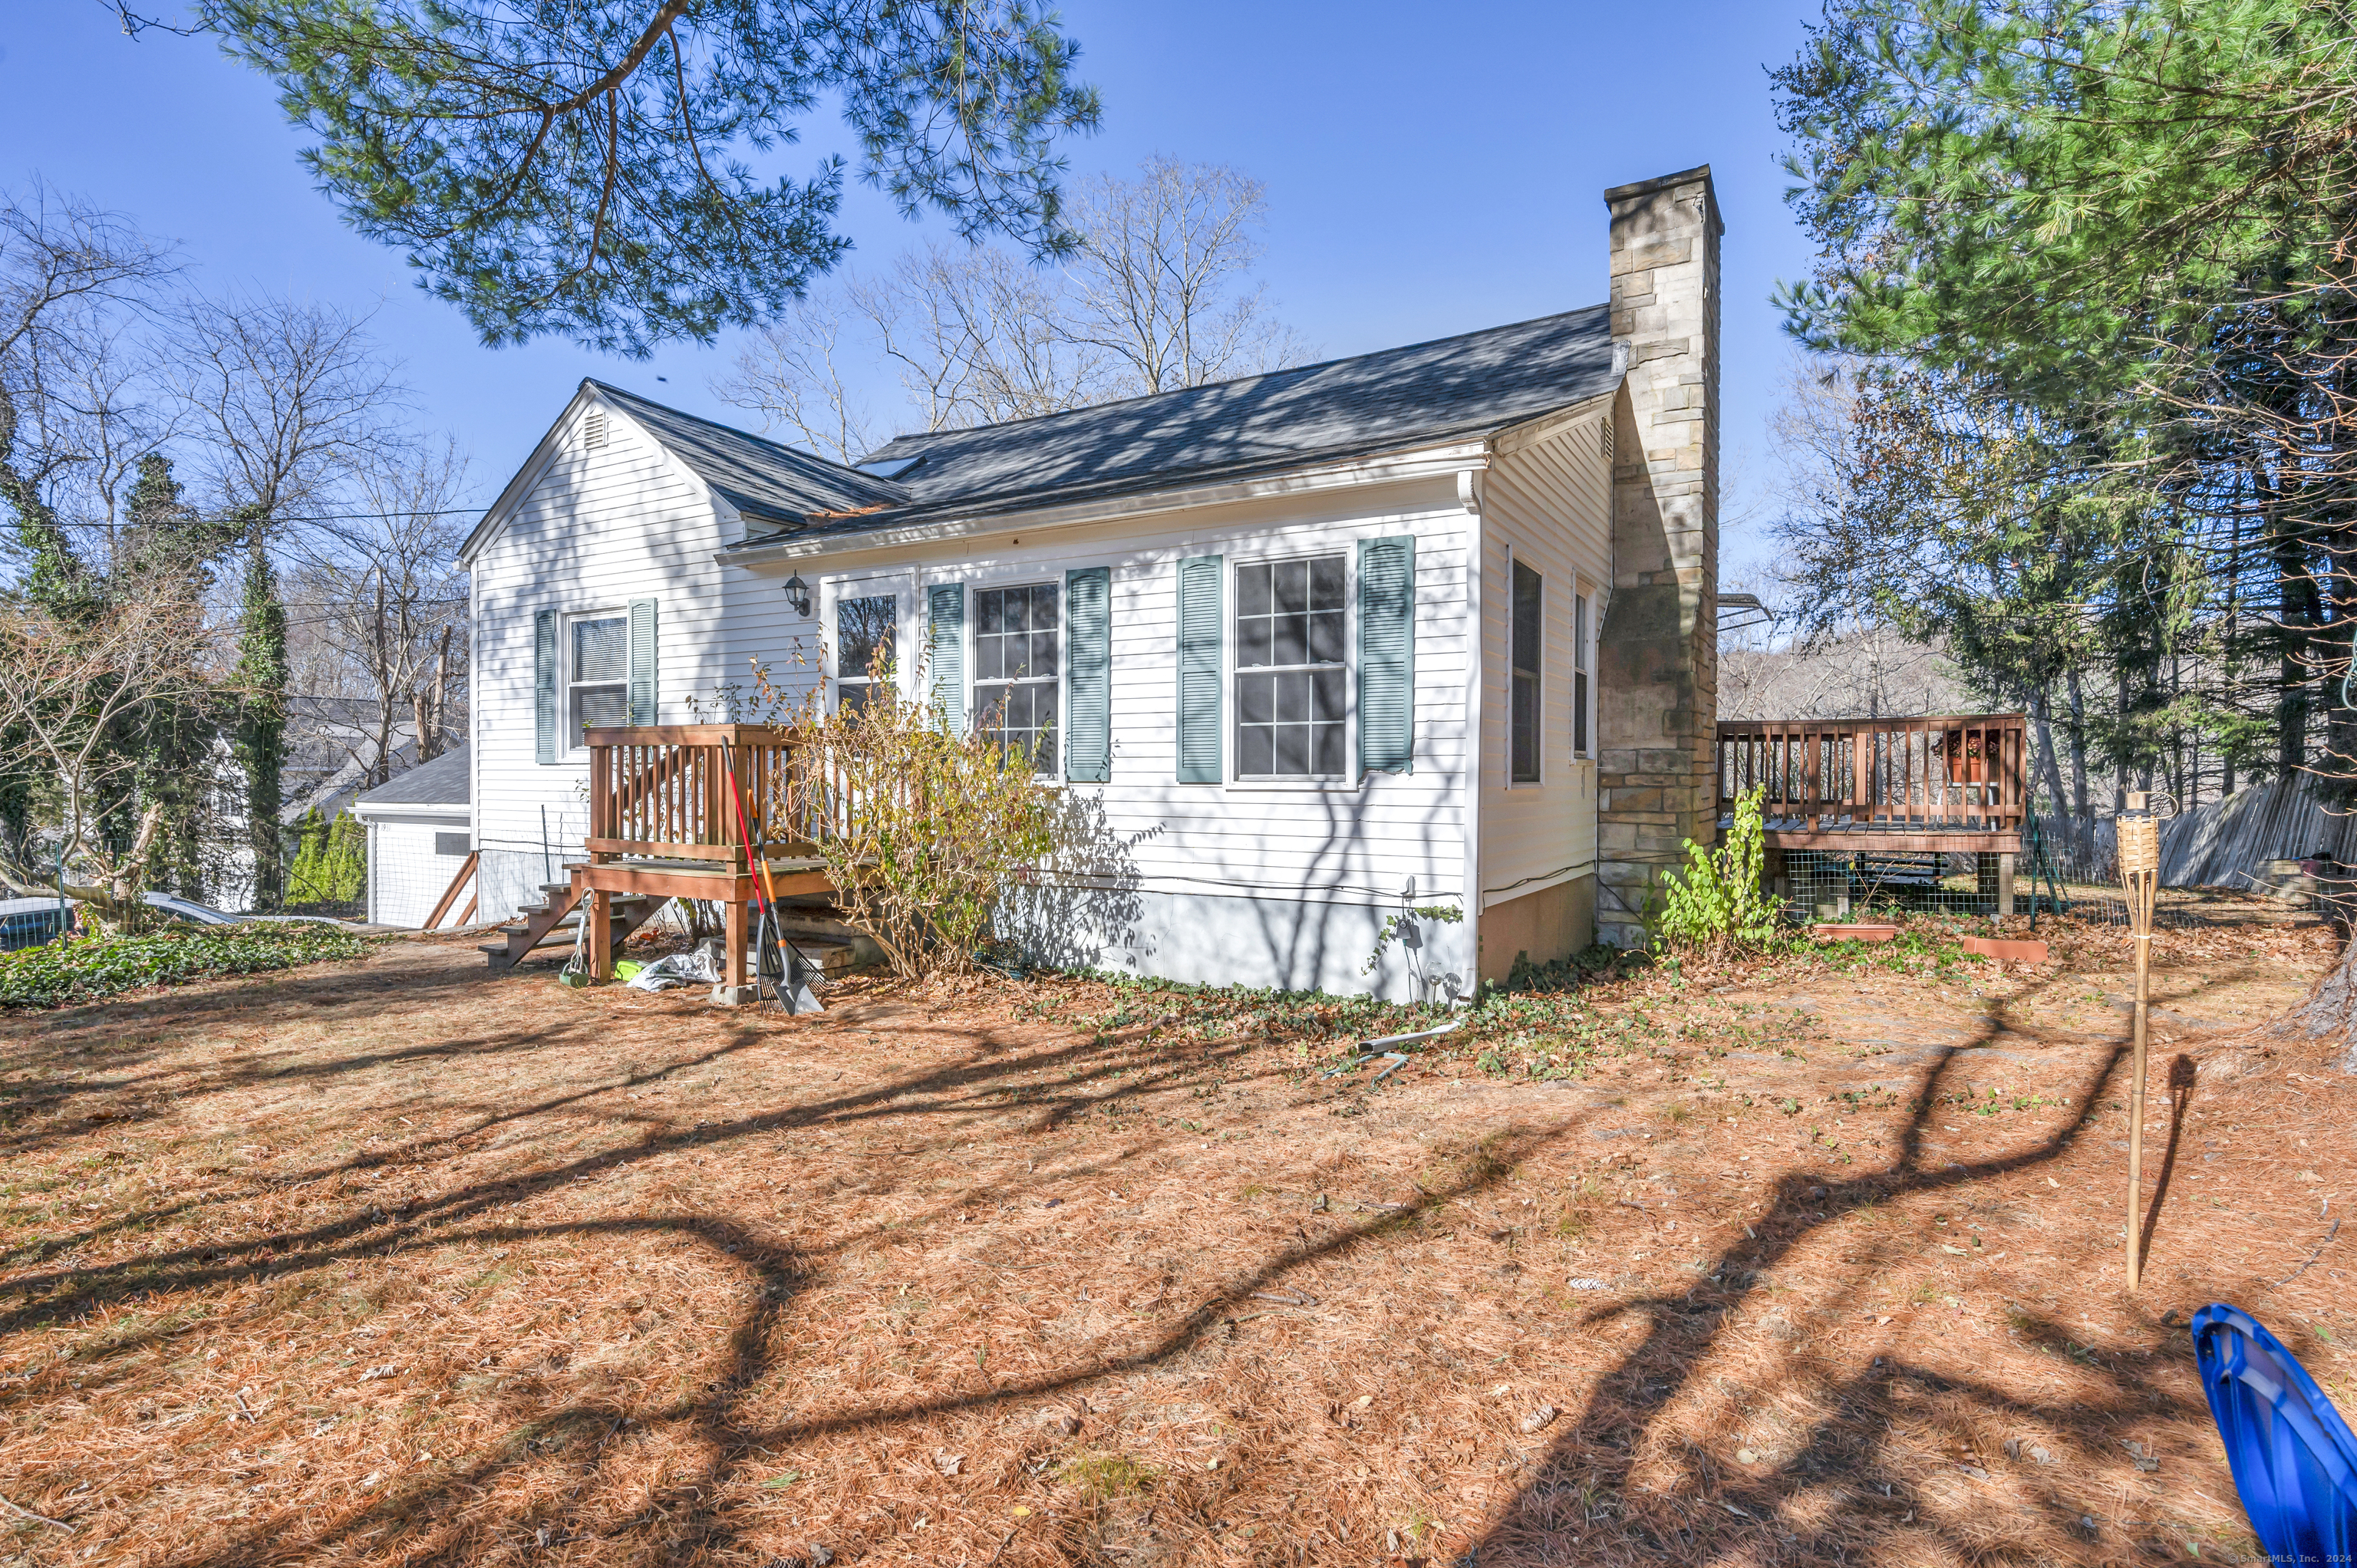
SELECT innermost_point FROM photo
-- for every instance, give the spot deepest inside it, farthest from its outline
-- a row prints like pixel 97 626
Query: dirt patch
pixel 393 1261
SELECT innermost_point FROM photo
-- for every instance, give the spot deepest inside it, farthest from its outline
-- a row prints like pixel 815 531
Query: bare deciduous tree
pixel 67 270
pixel 67 688
pixel 382 605
pixel 1157 283
pixel 1154 298
pixel 794 374
pixel 289 399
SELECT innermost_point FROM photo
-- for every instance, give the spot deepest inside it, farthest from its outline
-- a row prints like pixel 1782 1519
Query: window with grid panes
pixel 1016 662
pixel 598 695
pixel 863 642
pixel 1523 702
pixel 1292 681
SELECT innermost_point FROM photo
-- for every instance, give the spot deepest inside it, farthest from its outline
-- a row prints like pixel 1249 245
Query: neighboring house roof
pixel 445 781
pixel 1449 388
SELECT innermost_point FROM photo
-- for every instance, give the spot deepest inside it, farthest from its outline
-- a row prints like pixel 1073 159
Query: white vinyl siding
pixel 599 528
pixel 1546 506
pixel 1356 841
pixel 407 871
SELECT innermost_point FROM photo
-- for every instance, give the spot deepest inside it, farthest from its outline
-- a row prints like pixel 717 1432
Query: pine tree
pixel 306 881
pixel 166 535
pixel 261 717
pixel 347 860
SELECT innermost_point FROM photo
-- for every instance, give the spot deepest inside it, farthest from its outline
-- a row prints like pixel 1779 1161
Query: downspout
pixel 1469 498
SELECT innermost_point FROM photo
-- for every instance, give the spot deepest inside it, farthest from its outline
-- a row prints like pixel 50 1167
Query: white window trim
pixel 995 582
pixel 576 749
pixel 1350 781
pixel 906 589
pixel 1506 753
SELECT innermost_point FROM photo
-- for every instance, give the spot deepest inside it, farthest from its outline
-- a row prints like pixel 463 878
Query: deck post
pixel 732 980
pixel 2004 884
pixel 601 935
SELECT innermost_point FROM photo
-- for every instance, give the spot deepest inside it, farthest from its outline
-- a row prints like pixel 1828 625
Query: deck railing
pixel 1946 775
pixel 661 791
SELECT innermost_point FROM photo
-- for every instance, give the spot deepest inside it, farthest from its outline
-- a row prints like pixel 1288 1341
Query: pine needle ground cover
pixel 1817 1260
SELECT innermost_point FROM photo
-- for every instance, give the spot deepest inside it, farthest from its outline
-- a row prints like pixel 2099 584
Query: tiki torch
pixel 2139 843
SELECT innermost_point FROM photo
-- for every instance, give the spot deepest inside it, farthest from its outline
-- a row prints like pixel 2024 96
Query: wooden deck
pixel 1948 783
pixel 665 806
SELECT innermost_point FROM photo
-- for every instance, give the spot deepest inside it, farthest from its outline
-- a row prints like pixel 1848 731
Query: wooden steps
pixel 554 921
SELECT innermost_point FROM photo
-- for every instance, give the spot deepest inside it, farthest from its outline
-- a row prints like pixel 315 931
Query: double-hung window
pixel 1017 665
pixel 1579 676
pixel 863 644
pixel 1292 681
pixel 1523 705
pixel 597 693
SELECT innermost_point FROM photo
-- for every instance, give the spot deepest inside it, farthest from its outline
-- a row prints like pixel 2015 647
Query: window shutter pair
pixel 1386 661
pixel 645 628
pixel 1088 667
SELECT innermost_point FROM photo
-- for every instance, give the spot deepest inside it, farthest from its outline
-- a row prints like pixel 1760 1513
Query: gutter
pixel 1426 463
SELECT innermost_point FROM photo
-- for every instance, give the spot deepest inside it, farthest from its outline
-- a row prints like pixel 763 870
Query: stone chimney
pixel 1657 687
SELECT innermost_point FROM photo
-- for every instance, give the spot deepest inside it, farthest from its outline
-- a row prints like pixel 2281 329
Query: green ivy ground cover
pixel 92 967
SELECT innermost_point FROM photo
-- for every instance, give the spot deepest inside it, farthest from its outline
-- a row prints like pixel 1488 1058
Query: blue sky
pixel 1431 169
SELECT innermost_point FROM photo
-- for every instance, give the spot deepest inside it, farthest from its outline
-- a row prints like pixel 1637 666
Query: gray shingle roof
pixel 1463 385
pixel 1448 388
pixel 765 481
pixel 441 782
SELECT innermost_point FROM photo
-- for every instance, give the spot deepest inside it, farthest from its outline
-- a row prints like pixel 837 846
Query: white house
pixel 1430 627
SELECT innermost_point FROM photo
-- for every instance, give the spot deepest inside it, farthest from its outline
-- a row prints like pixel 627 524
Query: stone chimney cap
pixel 1621 193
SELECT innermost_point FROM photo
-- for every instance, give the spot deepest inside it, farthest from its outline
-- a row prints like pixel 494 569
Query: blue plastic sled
pixel 2294 1459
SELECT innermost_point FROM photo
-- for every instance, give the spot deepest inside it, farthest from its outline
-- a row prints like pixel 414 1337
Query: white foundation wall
pixel 1548 505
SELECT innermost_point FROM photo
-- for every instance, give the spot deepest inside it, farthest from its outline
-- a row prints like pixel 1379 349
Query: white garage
pixel 421 830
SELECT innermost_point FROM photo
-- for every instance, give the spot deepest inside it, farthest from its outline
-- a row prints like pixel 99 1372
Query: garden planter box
pixel 2005 949
pixel 1853 933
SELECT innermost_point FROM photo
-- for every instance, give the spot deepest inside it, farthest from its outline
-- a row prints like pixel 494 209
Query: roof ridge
pixel 806 456
pixel 1256 376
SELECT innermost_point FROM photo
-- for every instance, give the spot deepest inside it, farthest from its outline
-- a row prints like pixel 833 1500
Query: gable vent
pixel 1604 439
pixel 593 428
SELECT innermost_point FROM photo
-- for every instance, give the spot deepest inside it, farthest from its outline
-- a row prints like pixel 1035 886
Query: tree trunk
pixel 2083 817
pixel 2330 1011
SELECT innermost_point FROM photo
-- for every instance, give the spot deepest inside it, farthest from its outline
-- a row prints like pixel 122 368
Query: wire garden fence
pixel 2064 867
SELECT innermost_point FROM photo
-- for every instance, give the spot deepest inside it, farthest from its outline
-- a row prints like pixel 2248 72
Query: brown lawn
pixel 396 1262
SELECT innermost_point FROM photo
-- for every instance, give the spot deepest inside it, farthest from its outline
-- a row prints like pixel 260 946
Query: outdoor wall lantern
pixel 798 594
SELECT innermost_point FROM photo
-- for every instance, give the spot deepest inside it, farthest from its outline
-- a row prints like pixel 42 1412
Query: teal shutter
pixel 543 685
pixel 945 654
pixel 642 661
pixel 1199 670
pixel 1088 674
pixel 1387 655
